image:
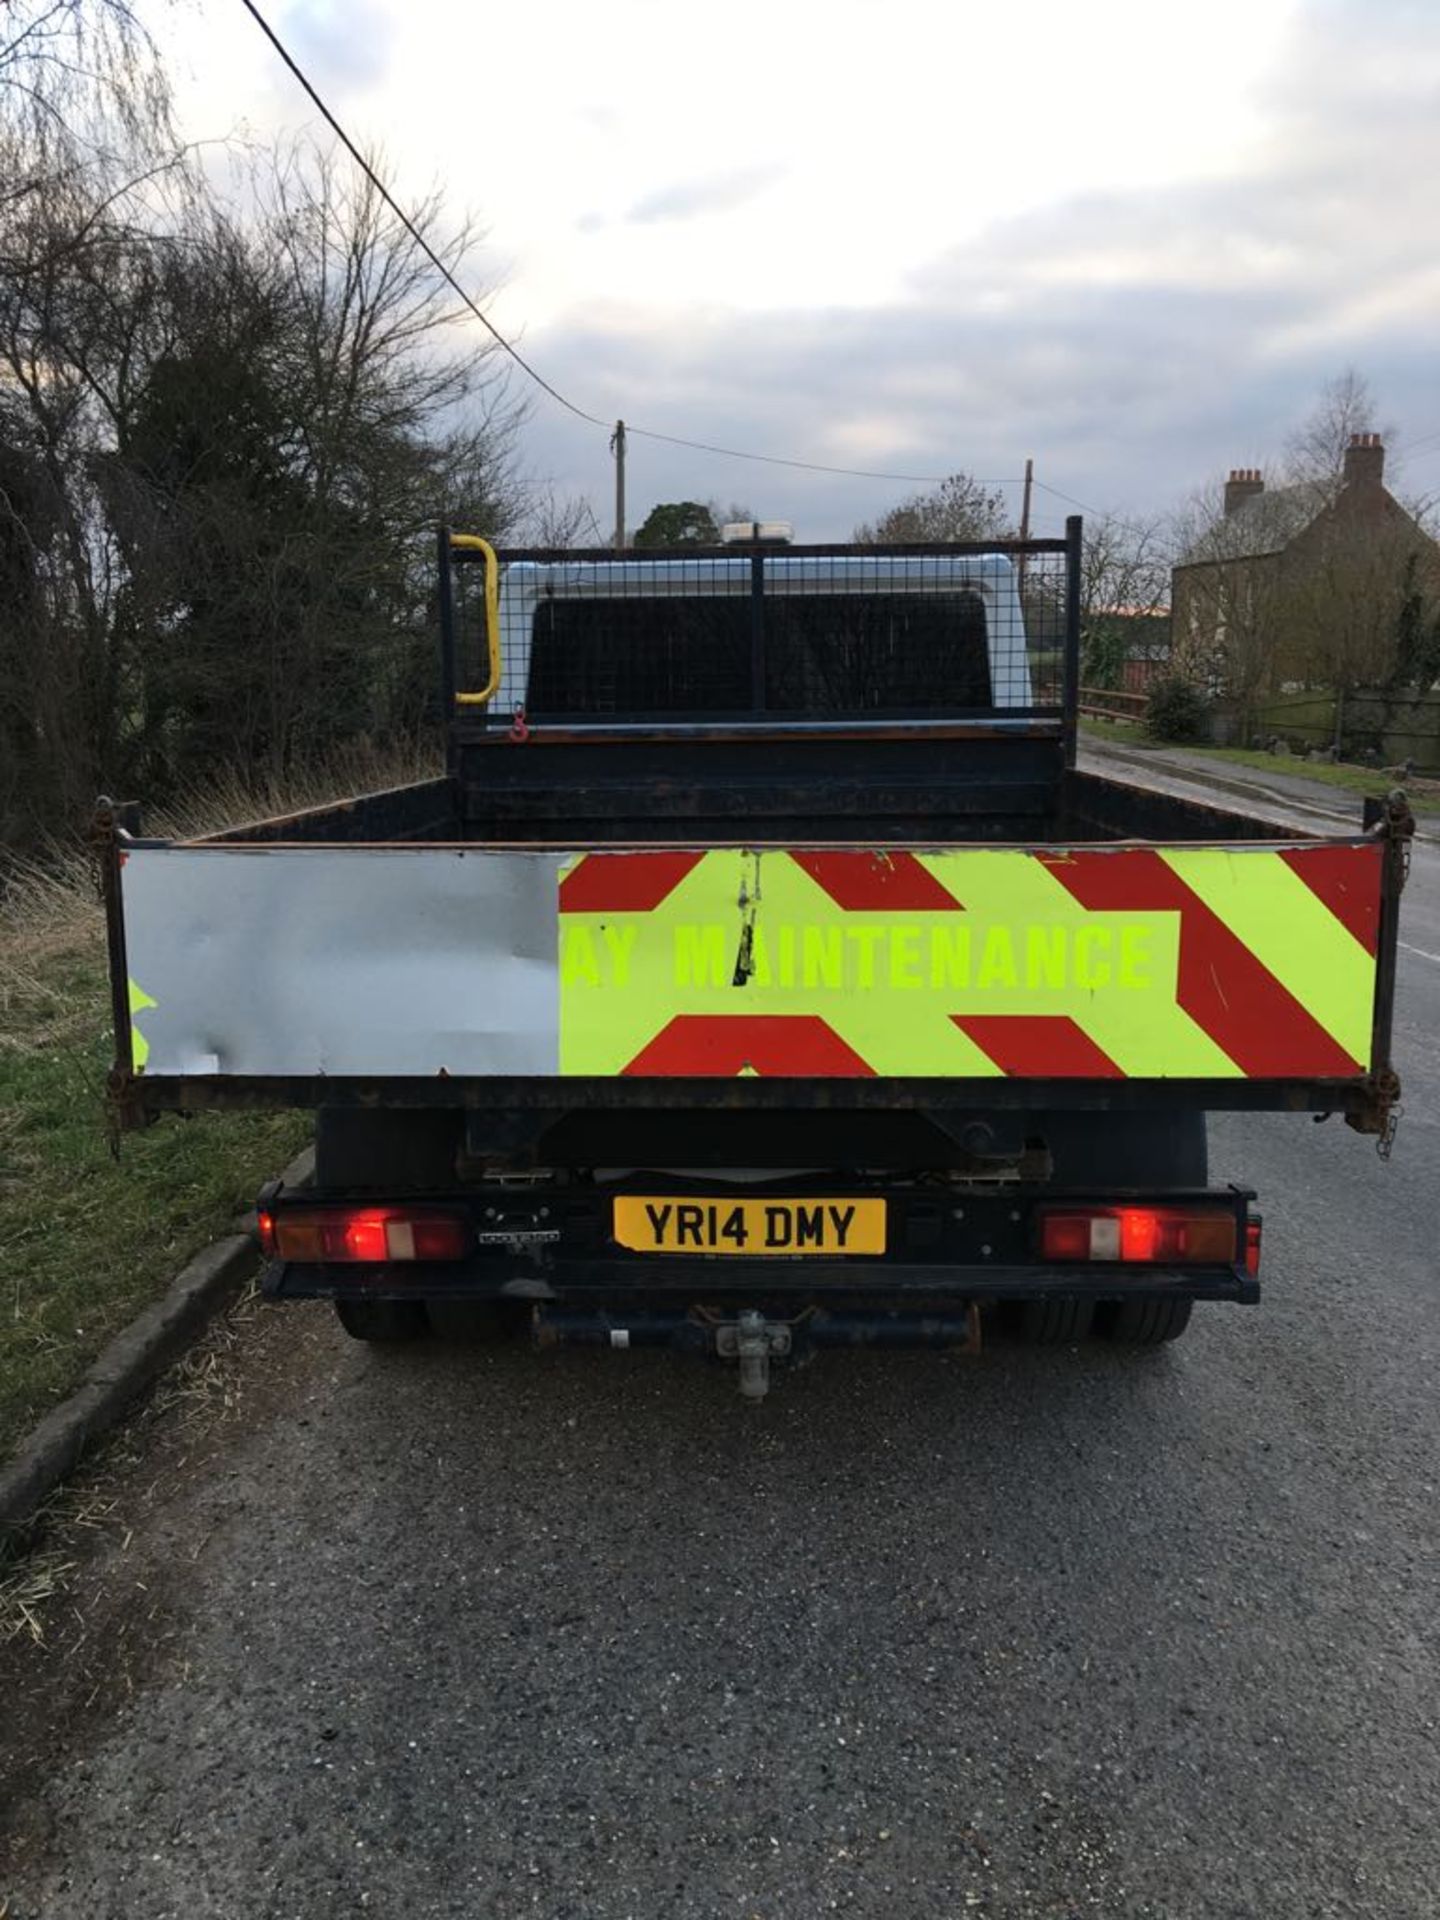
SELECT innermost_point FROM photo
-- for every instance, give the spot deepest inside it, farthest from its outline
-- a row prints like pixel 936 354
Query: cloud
pixel 349 42
pixel 1133 342
pixel 691 199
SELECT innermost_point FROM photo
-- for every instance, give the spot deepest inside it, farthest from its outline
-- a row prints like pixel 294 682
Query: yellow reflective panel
pixel 756 934
pixel 1269 908
pixel 139 1045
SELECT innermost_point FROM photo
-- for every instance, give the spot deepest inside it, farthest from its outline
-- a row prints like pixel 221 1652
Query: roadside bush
pixel 1176 711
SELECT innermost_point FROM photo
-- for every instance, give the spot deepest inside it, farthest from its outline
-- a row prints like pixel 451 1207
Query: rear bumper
pixel 612 1284
pixel 947 1250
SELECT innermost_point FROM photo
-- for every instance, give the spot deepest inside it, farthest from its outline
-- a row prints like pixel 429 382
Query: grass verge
pixel 1116 733
pixel 1424 794
pixel 90 1239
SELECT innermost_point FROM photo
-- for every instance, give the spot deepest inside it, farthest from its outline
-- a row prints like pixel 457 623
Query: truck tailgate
pixel 1217 964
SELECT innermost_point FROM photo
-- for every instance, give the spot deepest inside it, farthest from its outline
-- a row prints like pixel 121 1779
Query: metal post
pixel 617 447
pixel 447 621
pixel 1025 520
pixel 1070 691
pixel 445 565
pixel 1396 822
pixel 125 1111
pixel 105 840
pixel 757 631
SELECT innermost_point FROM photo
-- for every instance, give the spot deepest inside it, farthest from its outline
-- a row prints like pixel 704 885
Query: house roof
pixel 1265 523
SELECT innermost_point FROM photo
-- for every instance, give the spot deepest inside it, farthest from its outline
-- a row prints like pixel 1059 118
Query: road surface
pixel 449 1632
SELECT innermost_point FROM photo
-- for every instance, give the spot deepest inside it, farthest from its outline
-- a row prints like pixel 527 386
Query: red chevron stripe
pixel 624 882
pixel 862 882
pixel 1347 879
pixel 720 1045
pixel 1038 1045
pixel 1221 985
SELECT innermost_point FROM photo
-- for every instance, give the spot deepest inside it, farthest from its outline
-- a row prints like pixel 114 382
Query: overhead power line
pixel 807 466
pixel 1100 513
pixel 409 225
pixel 509 347
pixel 1069 498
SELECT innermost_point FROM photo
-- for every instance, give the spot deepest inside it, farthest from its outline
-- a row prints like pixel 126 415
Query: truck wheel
pixel 1105 1150
pixel 358 1150
pixel 1143 1323
pixel 477 1322
pixel 381 1319
pixel 1054 1323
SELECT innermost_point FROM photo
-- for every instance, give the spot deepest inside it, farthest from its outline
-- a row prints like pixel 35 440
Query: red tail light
pixel 377 1234
pixel 1157 1236
pixel 1252 1245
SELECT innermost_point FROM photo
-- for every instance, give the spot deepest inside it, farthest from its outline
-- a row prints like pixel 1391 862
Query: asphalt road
pixel 452 1632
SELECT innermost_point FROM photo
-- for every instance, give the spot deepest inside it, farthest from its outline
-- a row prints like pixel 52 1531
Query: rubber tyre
pixel 1143 1323
pixel 382 1320
pixel 477 1322
pixel 1054 1323
pixel 360 1151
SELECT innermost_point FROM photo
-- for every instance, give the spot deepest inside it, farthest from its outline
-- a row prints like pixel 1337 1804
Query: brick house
pixel 1301 585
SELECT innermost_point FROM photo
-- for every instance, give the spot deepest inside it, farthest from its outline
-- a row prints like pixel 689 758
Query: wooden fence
pixel 1109 703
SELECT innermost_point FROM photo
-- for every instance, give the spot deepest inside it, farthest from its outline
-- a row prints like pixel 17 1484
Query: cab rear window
pixel 820 654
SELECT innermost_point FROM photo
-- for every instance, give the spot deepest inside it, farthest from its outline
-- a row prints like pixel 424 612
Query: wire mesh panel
pixel 815 633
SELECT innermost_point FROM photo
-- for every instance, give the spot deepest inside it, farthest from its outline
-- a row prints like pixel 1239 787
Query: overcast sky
pixel 1131 238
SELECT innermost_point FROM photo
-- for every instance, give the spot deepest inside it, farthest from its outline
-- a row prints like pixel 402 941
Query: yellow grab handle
pixel 471 542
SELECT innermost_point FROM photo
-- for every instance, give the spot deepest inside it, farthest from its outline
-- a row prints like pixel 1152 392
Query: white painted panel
pixel 344 960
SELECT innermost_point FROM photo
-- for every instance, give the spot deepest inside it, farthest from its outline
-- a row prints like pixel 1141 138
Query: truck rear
pixel 761 975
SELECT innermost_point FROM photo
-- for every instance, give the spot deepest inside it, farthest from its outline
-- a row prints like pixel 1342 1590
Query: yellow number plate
pixel 668 1223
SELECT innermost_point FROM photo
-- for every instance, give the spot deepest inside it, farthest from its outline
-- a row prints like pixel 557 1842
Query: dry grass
pixel 73 1560
pixel 237 796
pixel 26 1593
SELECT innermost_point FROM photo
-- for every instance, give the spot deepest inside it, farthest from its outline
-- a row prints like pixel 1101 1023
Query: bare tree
pixel 1124 591
pixel 78 76
pixel 224 445
pixel 960 508
pixel 1315 451
pixel 1229 591
pixel 389 415
pixel 1343 608
pixel 554 519
pixel 78 285
pixel 731 513
pixel 1227 620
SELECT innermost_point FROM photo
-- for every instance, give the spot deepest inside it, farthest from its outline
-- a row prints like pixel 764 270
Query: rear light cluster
pixel 1155 1236
pixel 325 1234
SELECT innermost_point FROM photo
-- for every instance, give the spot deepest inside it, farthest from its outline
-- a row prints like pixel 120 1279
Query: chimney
pixel 1244 483
pixel 1365 461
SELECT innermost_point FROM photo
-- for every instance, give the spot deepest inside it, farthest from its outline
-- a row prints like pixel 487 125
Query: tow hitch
pixel 753 1340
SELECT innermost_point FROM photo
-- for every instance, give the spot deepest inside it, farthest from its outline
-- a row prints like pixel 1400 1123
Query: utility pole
pixel 1025 518
pixel 617 447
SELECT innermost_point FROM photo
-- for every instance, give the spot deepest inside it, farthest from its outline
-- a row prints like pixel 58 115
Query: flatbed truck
pixel 761 974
